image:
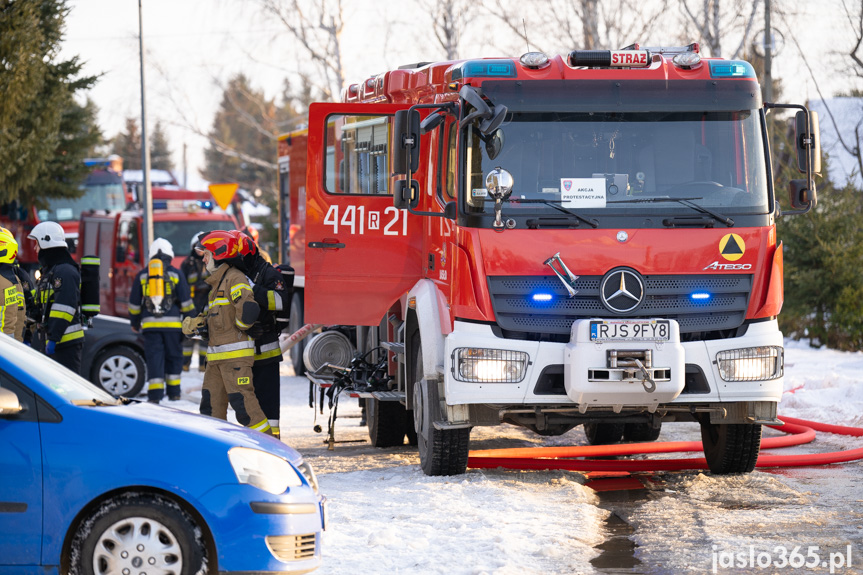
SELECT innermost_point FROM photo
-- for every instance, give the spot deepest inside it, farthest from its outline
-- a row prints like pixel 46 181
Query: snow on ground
pixel 387 516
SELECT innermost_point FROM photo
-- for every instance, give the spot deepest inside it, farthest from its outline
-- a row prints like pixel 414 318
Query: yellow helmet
pixel 8 247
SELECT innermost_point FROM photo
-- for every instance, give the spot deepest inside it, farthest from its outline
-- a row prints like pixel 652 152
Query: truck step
pixel 397 348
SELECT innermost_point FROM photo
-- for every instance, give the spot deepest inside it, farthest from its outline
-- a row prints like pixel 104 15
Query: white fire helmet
pixel 48 235
pixel 161 245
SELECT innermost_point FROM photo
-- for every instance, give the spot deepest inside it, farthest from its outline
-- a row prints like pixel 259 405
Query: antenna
pixel 524 26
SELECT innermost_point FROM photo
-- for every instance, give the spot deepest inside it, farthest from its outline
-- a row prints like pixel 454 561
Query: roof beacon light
pixel 609 58
pixel 534 60
pixel 687 60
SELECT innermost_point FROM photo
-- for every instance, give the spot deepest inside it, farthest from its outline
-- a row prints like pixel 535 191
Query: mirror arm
pixel 449 107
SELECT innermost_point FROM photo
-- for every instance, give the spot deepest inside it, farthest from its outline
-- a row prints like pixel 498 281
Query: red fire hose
pixel 799 431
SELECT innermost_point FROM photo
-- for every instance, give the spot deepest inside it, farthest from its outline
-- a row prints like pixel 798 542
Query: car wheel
pixel 119 370
pixel 295 322
pixel 442 451
pixel 603 433
pixel 137 533
pixel 730 448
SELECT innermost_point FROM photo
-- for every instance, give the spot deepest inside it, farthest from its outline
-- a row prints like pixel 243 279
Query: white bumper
pixel 581 355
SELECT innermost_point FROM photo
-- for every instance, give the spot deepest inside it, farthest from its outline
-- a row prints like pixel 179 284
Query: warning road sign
pixel 223 194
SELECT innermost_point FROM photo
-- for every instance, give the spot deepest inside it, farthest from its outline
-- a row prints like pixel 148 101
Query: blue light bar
pixel 700 296
pixel 542 297
pixel 731 69
pixel 484 69
pixel 160 205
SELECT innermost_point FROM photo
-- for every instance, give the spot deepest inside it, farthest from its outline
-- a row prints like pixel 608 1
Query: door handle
pixel 327 244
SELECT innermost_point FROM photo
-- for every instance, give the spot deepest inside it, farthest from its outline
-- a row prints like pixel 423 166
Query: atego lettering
pixel 728 267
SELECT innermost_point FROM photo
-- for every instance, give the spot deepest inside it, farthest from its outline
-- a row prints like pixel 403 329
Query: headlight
pixel 263 470
pixel 309 473
pixel 751 363
pixel 489 365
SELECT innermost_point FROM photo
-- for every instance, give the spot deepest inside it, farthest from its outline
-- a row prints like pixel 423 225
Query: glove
pixel 49 347
pixel 191 325
pixel 255 331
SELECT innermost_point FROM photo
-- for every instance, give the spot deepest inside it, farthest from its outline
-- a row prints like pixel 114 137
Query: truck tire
pixel 603 433
pixel 388 422
pixel 442 451
pixel 730 448
pixel 640 432
pixel 295 322
pixel 120 371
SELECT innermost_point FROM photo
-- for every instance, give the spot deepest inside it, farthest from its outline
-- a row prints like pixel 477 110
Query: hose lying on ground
pixel 800 431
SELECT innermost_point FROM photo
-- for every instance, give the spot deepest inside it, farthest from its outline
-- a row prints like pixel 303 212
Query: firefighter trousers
pixel 230 382
pixel 69 355
pixel 266 380
pixel 189 350
pixel 164 363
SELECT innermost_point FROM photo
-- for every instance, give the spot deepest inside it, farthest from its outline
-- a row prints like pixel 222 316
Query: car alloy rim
pixel 118 374
pixel 137 545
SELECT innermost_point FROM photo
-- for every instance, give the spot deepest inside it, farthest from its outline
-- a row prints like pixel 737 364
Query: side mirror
pixel 9 404
pixel 406 141
pixel 431 122
pixel 449 210
pixel 800 196
pixel 120 254
pixel 808 138
pixel 405 197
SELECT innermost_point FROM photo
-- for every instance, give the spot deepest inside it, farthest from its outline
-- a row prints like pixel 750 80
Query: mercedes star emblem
pixel 622 290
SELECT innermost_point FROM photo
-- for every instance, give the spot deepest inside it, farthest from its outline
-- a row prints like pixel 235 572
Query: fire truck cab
pixel 117 239
pixel 548 242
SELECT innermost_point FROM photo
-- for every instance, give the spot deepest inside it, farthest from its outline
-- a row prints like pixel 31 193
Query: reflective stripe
pixel 156 383
pixel 230 354
pixel 174 276
pixel 220 301
pixel 274 301
pixel 90 307
pixel 66 308
pixel 187 353
pixel 248 344
pixel 161 324
pixel 73 333
pixel 268 351
pixel 242 325
pixel 235 291
pixel 187 305
pixel 192 278
pixel 90 261
pixel 61 314
pixel 263 426
pixel 134 309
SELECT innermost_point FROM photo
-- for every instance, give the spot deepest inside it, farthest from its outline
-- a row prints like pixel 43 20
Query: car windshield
pixel 67 384
pixel 181 232
pixel 627 162
pixel 109 197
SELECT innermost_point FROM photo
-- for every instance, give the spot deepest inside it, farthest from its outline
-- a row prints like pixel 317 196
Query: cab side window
pixel 451 162
pixel 357 155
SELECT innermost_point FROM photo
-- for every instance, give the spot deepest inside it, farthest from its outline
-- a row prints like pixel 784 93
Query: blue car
pixel 93 484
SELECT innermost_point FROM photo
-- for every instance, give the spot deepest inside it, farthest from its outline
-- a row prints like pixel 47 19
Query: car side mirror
pixel 807 138
pixel 9 404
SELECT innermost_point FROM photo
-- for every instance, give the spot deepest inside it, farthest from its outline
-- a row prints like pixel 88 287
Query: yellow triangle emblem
pixel 223 194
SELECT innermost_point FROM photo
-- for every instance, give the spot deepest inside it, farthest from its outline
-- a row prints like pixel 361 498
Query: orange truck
pixel 586 239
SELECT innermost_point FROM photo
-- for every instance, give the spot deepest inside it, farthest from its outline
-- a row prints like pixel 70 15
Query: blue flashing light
pixel 542 297
pixel 731 69
pixel 485 69
pixel 160 205
pixel 700 296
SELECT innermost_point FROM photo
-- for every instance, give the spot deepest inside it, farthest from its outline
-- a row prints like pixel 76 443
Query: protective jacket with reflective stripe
pixel 9 296
pixel 232 310
pixel 271 294
pixel 172 319
pixel 59 294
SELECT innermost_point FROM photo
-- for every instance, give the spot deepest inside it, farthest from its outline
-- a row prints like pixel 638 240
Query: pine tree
pixel 43 131
pixel 160 152
pixel 127 145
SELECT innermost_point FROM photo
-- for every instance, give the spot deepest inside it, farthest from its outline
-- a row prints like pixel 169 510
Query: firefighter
pixel 254 235
pixel 160 296
pixel 10 286
pixel 230 354
pixel 272 295
pixel 196 275
pixel 58 297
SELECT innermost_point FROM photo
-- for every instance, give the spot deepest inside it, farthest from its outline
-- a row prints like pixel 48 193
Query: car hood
pixel 151 424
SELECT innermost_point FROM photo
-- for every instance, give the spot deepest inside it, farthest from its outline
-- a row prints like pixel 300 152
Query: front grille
pixel 664 297
pixel 289 548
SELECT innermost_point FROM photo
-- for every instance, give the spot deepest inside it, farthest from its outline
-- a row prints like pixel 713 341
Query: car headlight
pixel 263 470
pixel 489 365
pixel 309 474
pixel 751 363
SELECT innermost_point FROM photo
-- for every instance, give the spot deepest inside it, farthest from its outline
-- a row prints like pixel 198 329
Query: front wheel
pixel 138 533
pixel 119 370
pixel 604 433
pixel 730 448
pixel 442 451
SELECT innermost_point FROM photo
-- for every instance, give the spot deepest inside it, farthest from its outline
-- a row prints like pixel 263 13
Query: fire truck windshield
pixel 109 197
pixel 606 165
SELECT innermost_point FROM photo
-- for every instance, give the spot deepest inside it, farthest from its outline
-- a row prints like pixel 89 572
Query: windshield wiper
pixel 683 201
pixel 592 223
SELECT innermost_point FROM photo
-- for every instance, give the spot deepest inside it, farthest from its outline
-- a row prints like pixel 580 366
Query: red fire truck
pixel 547 242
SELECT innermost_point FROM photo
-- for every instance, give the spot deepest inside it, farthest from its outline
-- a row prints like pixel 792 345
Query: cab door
pixel 362 253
